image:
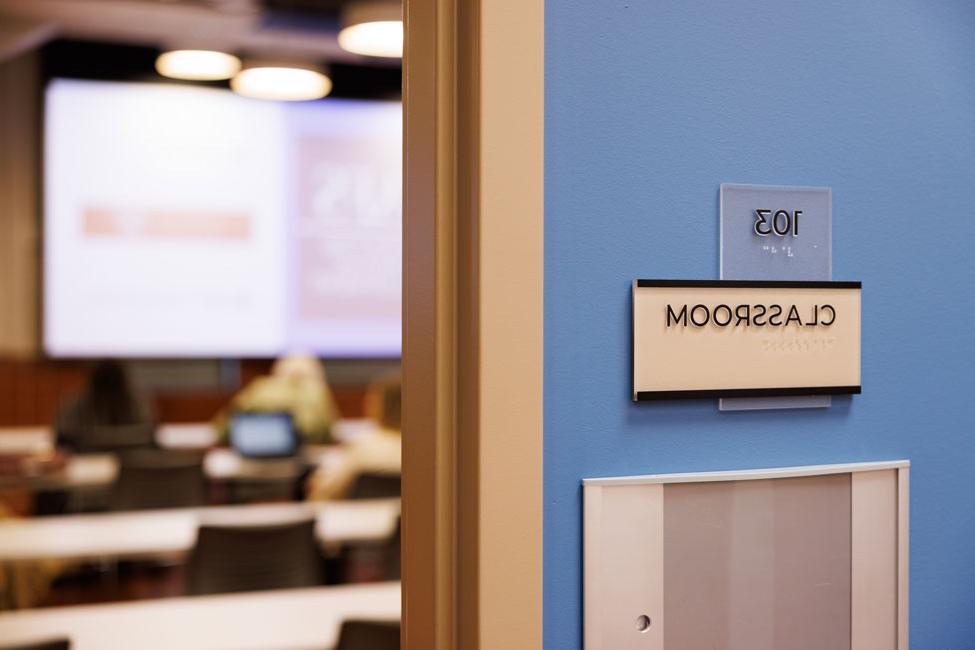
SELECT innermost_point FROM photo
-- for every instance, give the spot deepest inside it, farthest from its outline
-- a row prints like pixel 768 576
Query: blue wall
pixel 649 106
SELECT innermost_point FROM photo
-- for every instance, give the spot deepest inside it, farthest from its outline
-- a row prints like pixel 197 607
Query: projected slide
pixel 183 221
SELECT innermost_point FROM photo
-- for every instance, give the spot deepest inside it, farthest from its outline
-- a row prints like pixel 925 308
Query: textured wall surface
pixel 649 107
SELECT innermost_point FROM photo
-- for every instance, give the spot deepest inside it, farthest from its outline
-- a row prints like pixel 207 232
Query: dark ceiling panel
pixel 302 15
pixel 96 60
pixel 116 62
pixel 308 7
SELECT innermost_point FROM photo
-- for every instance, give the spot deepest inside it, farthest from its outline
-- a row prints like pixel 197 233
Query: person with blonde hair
pixel 379 452
pixel 297 385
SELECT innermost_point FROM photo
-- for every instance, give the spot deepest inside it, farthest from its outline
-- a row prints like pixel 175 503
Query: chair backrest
pixel 116 437
pixel 391 554
pixel 49 644
pixel 256 490
pixel 250 558
pixel 375 485
pixel 369 635
pixel 159 479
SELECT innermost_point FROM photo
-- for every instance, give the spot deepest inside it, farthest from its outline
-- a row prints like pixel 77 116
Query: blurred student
pixel 377 453
pixel 296 385
pixel 108 414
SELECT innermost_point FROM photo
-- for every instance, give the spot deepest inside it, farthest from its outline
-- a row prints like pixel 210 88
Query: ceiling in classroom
pixel 257 28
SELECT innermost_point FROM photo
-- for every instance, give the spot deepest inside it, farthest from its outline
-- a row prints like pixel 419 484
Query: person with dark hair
pixel 108 415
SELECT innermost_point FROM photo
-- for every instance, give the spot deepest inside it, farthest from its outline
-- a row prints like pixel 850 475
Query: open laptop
pixel 263 435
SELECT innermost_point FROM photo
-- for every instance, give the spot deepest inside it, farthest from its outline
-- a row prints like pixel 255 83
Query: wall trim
pixel 751 474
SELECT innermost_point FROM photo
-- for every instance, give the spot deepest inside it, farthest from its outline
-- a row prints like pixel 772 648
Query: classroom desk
pixel 292 619
pixel 193 435
pixel 40 439
pixel 154 533
pixel 200 435
pixel 196 435
pixel 94 471
pixel 220 464
pixel 25 440
pixel 225 464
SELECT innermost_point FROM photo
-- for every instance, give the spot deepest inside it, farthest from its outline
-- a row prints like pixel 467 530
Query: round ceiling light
pixel 281 82
pixel 373 28
pixel 197 65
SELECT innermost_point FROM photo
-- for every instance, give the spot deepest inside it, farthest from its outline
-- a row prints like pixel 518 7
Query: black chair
pixel 50 644
pixel 258 490
pixel 391 554
pixel 266 480
pixel 369 635
pixel 116 438
pixel 251 558
pixel 375 485
pixel 159 479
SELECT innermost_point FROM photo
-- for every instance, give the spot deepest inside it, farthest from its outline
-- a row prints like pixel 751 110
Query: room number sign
pixel 781 222
pixel 775 232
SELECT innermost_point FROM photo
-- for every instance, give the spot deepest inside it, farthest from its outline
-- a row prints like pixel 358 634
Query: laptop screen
pixel 263 435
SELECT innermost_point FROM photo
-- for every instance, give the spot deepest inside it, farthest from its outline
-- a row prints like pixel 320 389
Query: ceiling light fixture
pixel 373 28
pixel 197 65
pixel 284 82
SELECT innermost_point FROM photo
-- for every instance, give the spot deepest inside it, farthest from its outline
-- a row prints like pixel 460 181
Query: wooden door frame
pixel 473 92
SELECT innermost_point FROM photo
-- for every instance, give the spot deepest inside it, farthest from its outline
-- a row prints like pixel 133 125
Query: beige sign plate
pixel 745 338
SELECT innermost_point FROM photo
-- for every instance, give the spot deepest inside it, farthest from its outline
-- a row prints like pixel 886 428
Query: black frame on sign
pixel 656 396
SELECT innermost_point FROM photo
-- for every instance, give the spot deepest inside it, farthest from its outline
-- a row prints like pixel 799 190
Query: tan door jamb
pixel 472 332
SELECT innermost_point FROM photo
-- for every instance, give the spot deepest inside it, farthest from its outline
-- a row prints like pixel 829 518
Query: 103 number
pixel 781 223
